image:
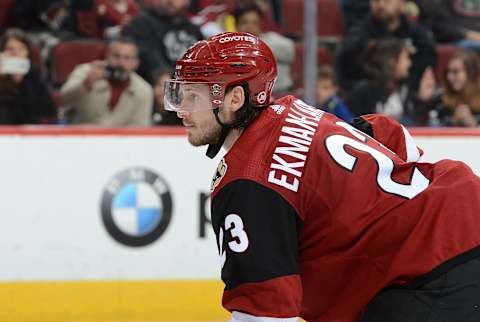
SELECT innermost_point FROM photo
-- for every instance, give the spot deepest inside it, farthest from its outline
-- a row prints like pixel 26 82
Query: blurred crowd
pixel 104 62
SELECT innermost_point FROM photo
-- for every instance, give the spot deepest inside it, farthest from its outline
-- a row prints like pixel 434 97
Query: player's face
pixel 386 9
pixel 456 74
pixel 201 126
pixel 191 96
pixel 403 64
pixel 325 90
pixel 194 107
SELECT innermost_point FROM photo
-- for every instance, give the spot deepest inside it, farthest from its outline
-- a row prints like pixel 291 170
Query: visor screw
pixel 216 89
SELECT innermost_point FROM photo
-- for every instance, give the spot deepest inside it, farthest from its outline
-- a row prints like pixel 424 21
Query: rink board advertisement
pixel 106 225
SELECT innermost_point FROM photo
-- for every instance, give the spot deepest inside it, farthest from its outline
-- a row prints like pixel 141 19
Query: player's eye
pixel 192 97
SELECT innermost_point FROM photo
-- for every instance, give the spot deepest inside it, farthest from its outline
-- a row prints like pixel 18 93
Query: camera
pixel 115 73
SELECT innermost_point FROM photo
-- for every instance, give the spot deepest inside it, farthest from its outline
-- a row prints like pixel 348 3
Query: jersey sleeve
pixel 391 134
pixel 257 236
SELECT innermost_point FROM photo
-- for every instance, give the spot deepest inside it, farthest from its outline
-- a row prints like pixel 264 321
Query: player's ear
pixel 235 98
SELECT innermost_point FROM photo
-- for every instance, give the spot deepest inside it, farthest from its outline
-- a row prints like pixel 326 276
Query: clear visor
pixel 191 96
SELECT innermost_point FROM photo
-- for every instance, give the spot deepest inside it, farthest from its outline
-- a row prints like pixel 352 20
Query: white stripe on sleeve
pixel 413 155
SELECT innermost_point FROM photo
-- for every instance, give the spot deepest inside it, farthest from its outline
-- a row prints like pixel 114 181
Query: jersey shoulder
pixel 273 150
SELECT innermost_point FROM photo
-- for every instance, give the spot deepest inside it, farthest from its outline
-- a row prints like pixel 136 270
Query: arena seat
pixel 68 54
pixel 5 12
pixel 323 57
pixel 329 19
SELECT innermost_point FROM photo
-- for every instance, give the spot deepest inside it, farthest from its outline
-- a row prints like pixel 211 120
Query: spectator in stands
pixel 160 115
pixel 270 16
pixel 106 18
pixel 90 18
pixel 215 18
pixel 354 12
pixel 460 102
pixel 55 16
pixel 387 63
pixel 163 33
pixel 385 20
pixel 109 92
pixel 50 21
pixel 455 22
pixel 326 93
pixel 248 18
pixel 24 96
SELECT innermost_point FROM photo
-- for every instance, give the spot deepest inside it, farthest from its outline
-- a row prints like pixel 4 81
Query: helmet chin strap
pixel 213 148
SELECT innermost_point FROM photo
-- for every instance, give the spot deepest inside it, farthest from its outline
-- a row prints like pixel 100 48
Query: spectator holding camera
pixel 109 93
pixel 24 96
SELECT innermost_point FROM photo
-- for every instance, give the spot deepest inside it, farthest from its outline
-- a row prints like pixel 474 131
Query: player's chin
pixel 195 140
pixel 199 139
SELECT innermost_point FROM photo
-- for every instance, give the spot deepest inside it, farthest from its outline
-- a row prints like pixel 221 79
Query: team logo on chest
pixel 219 174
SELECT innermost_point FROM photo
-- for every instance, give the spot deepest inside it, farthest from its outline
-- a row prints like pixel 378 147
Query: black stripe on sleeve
pixel 271 226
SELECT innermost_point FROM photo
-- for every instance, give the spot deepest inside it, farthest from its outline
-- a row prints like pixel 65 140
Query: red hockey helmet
pixel 224 60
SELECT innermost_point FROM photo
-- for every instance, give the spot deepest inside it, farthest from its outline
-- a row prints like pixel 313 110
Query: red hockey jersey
pixel 314 217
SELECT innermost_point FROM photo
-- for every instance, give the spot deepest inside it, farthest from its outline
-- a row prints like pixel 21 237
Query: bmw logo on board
pixel 136 207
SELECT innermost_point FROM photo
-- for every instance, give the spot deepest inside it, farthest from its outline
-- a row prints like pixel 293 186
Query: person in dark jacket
pixel 386 20
pixel 24 96
pixel 454 22
pixel 354 12
pixel 163 33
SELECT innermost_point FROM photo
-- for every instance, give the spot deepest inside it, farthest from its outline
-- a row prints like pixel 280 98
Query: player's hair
pixel 379 59
pixel 470 95
pixel 18 35
pixel 248 112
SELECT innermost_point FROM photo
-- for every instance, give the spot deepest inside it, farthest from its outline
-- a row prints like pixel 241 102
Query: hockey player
pixel 315 218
